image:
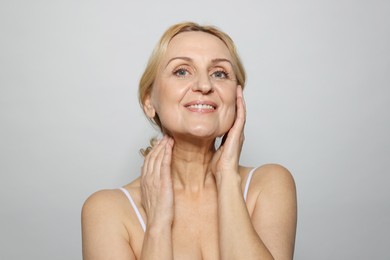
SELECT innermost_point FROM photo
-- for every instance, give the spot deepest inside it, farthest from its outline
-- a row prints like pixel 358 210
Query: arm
pixel 103 230
pixel 157 200
pixel 103 233
pixel 270 232
pixel 275 214
pixel 238 238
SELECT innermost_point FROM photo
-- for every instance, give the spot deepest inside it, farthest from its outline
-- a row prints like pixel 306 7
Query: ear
pixel 148 108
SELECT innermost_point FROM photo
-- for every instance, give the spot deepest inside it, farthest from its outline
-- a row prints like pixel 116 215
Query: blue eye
pixel 220 74
pixel 181 72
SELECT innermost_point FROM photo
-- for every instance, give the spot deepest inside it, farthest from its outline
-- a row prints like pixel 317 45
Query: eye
pixel 181 72
pixel 220 74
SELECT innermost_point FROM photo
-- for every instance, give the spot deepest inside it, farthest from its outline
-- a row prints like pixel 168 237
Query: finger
pixel 166 162
pixel 150 159
pixel 236 132
pixel 241 109
pixel 156 157
pixel 242 114
pixel 157 161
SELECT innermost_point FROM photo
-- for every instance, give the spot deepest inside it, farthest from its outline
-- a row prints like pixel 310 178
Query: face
pixel 194 93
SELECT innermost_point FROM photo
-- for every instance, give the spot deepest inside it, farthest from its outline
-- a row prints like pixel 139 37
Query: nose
pixel 203 84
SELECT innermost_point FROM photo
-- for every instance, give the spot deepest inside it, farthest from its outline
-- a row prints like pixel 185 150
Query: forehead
pixel 197 44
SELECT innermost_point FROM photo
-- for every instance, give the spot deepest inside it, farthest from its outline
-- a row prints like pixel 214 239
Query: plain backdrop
pixel 318 100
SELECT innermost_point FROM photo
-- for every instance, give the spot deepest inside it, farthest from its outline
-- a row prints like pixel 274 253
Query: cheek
pixel 167 94
pixel 165 102
pixel 229 98
pixel 158 97
pixel 229 115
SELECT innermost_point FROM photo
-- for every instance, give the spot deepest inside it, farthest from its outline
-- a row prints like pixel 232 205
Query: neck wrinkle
pixel 190 167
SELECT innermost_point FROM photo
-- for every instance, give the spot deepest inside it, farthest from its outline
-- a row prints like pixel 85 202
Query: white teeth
pixel 201 106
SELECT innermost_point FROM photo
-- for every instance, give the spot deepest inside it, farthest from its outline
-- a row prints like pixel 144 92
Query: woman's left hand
pixel 226 159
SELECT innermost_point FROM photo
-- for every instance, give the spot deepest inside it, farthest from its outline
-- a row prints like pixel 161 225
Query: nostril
pixel 203 84
pixel 204 88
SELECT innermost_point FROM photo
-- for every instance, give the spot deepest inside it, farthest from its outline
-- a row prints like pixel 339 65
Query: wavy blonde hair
pixel 150 73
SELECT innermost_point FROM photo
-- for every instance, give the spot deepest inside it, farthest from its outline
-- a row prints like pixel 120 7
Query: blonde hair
pixel 150 73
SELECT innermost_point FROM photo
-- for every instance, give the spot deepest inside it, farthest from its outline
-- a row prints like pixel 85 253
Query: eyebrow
pixel 222 60
pixel 217 60
pixel 179 58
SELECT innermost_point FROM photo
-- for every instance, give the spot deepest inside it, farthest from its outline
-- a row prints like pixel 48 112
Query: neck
pixel 190 164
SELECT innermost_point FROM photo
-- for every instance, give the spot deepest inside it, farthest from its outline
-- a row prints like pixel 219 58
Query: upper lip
pixel 201 102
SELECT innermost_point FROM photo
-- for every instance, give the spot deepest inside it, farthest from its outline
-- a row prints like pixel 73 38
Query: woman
pixel 194 201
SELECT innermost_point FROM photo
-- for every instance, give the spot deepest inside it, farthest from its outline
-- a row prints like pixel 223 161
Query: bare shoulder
pixel 274 211
pixel 275 174
pixel 100 202
pixel 108 200
pixel 108 204
pixel 103 212
pixel 104 230
pixel 273 177
pixel 271 183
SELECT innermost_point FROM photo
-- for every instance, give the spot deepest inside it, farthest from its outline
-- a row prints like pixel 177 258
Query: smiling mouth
pixel 201 106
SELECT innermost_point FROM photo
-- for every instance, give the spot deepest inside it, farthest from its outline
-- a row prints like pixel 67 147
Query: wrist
pixel 160 220
pixel 228 179
pixel 156 230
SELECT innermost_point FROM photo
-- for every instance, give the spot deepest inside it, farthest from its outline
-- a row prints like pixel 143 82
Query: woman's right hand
pixel 156 184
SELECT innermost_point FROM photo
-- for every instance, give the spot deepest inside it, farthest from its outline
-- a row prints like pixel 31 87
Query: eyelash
pixel 176 71
pixel 226 74
pixel 183 69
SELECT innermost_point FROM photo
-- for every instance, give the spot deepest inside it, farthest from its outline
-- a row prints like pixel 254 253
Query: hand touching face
pixel 195 90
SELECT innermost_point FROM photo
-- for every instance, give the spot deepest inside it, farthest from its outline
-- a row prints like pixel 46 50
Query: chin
pixel 201 131
pixel 205 133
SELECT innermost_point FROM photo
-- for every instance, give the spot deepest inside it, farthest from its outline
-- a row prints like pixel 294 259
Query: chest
pixel 195 230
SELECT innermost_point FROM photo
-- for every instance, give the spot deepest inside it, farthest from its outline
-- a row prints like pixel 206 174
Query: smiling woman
pixel 155 64
pixel 193 201
pixel 193 83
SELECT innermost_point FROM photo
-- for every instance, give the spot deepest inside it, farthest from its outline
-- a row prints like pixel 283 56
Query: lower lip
pixel 200 110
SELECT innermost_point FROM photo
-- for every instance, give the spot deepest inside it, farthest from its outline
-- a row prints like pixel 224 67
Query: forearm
pixel 157 243
pixel 238 238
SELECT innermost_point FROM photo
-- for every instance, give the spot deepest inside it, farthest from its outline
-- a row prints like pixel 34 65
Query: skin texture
pixel 189 194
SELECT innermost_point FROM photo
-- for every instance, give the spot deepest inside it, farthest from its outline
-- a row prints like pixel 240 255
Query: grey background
pixel 318 102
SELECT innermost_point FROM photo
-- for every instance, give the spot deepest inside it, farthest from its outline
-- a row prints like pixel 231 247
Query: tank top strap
pixel 248 181
pixel 141 221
